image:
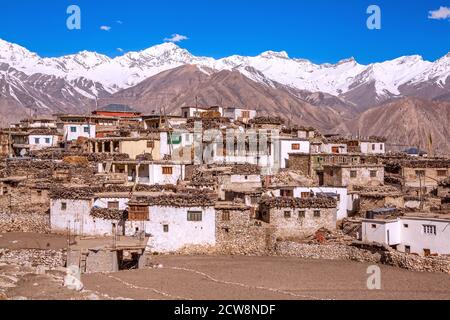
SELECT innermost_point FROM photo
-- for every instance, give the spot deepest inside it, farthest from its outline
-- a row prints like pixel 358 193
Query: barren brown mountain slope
pixel 179 87
pixel 408 122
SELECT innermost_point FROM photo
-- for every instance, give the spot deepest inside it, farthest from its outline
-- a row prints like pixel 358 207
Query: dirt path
pixel 260 278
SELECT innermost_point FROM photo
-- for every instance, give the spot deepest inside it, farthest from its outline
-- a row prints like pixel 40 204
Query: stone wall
pixel 344 252
pixel 237 234
pixel 33 257
pixel 301 222
pixel 24 223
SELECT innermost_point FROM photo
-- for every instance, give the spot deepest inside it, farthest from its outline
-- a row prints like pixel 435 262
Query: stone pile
pixel 50 259
pixel 24 223
pixel 109 214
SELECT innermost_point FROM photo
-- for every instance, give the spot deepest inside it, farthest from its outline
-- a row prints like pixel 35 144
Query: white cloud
pixel 105 28
pixel 176 38
pixel 441 14
pixel 120 49
pixel 119 21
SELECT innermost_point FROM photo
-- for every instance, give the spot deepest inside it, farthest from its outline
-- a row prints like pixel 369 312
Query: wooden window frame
pixel 167 171
pixel 295 146
pixel 195 216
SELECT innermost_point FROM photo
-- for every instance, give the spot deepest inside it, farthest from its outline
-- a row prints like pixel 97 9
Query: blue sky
pixel 319 30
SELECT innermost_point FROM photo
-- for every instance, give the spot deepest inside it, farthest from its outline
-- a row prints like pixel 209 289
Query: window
pixel 316 213
pixel 420 173
pixel 442 173
pixel 226 216
pixel 407 249
pixel 429 230
pixel 5 190
pixel 373 147
pixel 37 140
pixel 374 226
pixel 286 193
pixel 86 129
pixel 166 228
pixel 113 204
pixel 406 226
pixel 373 173
pixel 47 140
pixel 305 195
pixel 73 129
pixel 63 206
pixel 381 147
pixel 138 213
pixel 334 149
pixel 39 193
pixel 295 146
pixel 426 252
pixel 301 214
pixel 287 214
pixel 195 216
pixel 245 114
pixel 353 174
pixel 150 144
pixel 167 170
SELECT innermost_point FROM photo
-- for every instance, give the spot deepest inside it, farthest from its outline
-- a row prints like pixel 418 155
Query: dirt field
pixel 257 278
pixel 233 278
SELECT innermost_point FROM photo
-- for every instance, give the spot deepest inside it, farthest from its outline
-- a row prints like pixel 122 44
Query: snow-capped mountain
pixel 93 75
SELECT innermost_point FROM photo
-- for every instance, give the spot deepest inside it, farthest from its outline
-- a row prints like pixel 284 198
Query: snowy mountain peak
pixel 274 54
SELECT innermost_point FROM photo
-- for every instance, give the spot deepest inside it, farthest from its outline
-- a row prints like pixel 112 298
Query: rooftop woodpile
pixel 245 169
pixel 109 214
pixel 377 191
pixel 267 120
pixel 176 200
pixel 303 203
pixel 430 163
pixel 80 193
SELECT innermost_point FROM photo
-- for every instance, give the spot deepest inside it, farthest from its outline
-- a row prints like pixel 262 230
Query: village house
pixel 239 114
pixel 158 121
pixel 424 174
pixel 146 172
pixel 173 221
pixel 421 234
pixel 36 122
pixel 118 111
pixel 373 145
pixel 290 146
pixel 298 218
pixel 193 111
pixel 350 175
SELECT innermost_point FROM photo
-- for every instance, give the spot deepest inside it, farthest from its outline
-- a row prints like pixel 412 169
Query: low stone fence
pixel 24 223
pixel 32 258
pixel 345 252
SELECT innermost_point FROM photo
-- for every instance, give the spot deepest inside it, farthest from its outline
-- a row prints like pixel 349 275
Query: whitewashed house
pixel 291 146
pixel 422 235
pixel 73 131
pixel 41 139
pixel 239 114
pixel 173 221
pixel 373 146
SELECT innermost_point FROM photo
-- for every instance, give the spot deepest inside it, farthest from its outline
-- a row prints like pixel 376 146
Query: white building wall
pixel 286 148
pixel 79 131
pixel 103 202
pixel 77 218
pixel 181 231
pixel 156 175
pixel 342 209
pixel 412 235
pixel 34 145
pixel 373 148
